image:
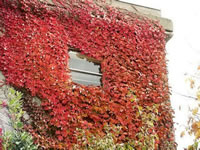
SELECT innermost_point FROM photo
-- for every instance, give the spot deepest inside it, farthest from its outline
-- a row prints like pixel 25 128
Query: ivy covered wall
pixel 134 94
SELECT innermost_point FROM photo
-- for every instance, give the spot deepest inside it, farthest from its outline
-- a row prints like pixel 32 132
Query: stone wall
pixel 4 114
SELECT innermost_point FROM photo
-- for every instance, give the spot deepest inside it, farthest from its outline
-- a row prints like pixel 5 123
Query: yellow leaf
pixel 182 134
pixel 198 124
pixel 195 111
pixel 140 108
pixel 197 134
pixel 190 147
pixel 192 84
pixel 198 95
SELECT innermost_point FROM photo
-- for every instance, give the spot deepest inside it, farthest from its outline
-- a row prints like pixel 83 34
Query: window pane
pixel 82 64
pixel 84 71
pixel 86 79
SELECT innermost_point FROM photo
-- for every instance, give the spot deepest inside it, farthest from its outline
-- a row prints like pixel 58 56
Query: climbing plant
pixel 34 42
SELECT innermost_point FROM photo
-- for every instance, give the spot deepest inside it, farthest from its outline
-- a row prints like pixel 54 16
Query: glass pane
pixel 76 62
pixel 86 79
pixel 83 71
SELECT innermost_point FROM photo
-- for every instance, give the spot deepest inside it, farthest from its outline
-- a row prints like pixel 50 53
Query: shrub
pixel 16 139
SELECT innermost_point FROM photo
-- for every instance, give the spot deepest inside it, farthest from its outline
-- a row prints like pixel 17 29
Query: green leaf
pixel 19 125
pixel 144 148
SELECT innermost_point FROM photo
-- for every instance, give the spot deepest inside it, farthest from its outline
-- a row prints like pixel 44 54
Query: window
pixel 84 70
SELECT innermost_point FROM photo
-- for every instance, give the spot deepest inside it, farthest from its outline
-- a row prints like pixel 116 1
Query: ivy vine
pixel 34 43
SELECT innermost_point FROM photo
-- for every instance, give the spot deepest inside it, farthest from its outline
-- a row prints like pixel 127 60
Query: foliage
pixel 2 104
pixel 92 142
pixel 1 140
pixel 16 139
pixel 193 127
pixel 15 108
pixel 34 56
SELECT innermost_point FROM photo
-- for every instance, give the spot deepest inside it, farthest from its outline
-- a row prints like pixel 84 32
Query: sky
pixel 183 54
